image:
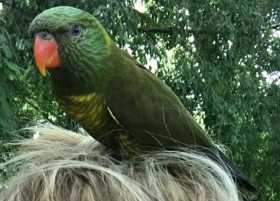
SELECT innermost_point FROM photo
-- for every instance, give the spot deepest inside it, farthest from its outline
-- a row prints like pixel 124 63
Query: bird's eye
pixel 76 30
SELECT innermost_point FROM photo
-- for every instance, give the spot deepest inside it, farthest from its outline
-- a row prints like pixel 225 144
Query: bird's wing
pixel 144 105
pixel 155 117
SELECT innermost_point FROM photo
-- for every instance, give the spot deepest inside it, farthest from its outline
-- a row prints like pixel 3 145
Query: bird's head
pixel 69 42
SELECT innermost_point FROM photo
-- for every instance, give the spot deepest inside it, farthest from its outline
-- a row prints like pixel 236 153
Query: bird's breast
pixel 88 110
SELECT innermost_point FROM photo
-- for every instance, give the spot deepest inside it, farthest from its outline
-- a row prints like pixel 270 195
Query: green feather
pixel 113 97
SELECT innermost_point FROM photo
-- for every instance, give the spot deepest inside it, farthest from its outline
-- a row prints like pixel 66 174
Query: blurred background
pixel 221 57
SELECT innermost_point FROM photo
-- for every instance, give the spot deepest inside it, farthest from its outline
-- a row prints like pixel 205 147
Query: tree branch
pixel 276 26
pixel 170 30
pixel 156 29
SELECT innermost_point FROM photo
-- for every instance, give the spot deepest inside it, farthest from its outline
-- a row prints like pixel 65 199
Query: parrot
pixel 110 94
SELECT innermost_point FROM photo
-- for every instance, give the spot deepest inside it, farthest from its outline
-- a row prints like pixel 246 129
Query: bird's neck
pixel 71 83
pixel 84 76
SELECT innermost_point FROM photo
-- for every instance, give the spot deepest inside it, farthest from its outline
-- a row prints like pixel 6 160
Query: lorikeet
pixel 109 93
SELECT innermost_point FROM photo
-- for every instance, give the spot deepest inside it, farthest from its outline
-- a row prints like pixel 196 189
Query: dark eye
pixel 76 30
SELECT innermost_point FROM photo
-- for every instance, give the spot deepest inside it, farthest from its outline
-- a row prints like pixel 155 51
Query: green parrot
pixel 117 100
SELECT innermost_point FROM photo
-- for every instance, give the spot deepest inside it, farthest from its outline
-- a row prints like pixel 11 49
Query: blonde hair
pixel 61 165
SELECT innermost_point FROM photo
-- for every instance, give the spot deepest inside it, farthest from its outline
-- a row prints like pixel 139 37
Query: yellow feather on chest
pixel 88 110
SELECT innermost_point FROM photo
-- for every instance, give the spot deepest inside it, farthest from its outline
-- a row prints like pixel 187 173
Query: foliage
pixel 214 54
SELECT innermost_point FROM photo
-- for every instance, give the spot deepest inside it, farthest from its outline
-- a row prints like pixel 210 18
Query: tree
pixel 214 54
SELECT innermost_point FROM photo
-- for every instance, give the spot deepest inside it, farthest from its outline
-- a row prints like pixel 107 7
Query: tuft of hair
pixel 60 165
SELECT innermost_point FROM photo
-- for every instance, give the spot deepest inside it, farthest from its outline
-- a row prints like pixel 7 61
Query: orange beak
pixel 45 54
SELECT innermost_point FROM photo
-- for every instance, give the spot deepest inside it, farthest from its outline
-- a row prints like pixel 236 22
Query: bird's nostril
pixel 45 35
